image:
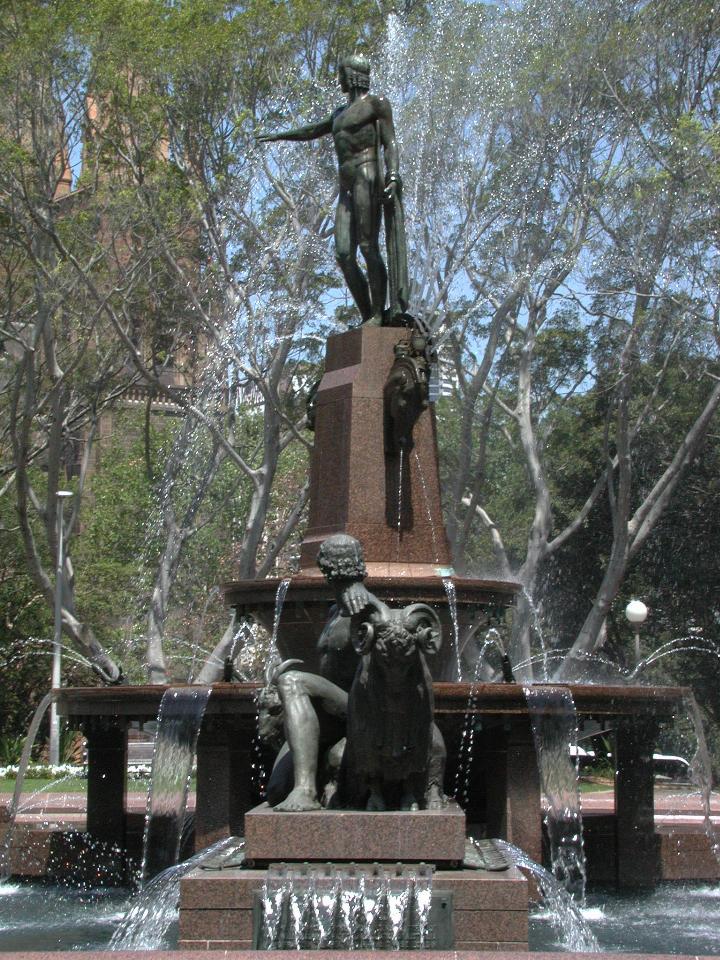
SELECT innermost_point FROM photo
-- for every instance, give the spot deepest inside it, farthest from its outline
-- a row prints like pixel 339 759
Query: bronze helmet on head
pixel 354 72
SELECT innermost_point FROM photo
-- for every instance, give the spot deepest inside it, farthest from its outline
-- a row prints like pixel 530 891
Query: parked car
pixel 141 743
pixel 585 758
pixel 666 767
pixel 669 768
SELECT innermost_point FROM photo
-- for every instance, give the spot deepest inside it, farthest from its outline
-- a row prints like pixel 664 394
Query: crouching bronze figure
pixel 373 748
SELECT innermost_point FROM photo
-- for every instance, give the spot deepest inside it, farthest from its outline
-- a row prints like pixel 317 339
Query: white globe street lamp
pixel 62 496
pixel 636 612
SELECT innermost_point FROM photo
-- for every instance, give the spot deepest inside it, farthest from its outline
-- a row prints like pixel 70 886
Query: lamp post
pixel 636 612
pixel 62 496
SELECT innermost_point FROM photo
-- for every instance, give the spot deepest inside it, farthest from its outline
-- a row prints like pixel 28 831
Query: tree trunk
pixel 213 669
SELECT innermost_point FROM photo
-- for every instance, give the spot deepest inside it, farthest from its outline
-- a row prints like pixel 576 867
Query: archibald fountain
pixel 362 698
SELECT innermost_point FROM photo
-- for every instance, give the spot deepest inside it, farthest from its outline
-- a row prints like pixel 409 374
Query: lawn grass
pixel 31 785
pixel 586 787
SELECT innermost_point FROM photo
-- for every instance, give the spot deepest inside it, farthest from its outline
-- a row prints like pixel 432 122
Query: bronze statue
pixel 314 706
pixel 394 754
pixel 406 393
pixel 362 129
pixel 389 738
pixel 390 709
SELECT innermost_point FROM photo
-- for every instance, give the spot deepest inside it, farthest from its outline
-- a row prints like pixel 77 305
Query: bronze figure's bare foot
pixel 435 798
pixel 298 800
pixel 376 803
pixel 375 320
pixel 409 802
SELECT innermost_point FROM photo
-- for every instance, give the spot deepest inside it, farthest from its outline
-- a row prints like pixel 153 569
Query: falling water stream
pixel 702 772
pixel 467 738
pixel 14 805
pixel 274 658
pixel 537 628
pixel 555 731
pixel 426 499
pixel 565 914
pixel 399 504
pixel 257 766
pixel 452 607
pixel 181 713
pixel 344 907
pixel 150 919
pixel 279 603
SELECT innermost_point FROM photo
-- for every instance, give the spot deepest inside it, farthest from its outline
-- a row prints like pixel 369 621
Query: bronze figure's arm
pixel 398 280
pixel 386 132
pixel 311 131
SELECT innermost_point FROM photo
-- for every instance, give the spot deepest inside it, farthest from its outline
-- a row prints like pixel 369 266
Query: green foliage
pixel 108 552
pixel 11 748
pixel 24 615
pixel 116 553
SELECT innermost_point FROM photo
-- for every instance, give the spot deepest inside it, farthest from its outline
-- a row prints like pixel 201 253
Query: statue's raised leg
pixel 302 731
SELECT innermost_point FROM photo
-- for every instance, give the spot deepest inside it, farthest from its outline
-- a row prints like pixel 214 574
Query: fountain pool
pixel 41 916
pixel 673 918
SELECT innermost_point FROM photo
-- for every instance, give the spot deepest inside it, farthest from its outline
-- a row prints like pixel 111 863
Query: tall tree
pixel 202 273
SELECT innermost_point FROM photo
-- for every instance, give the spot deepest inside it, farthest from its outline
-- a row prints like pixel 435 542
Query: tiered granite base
pixel 489 909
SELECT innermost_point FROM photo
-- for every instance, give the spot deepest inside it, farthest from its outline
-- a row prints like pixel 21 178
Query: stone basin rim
pixel 451 698
pixel 235 591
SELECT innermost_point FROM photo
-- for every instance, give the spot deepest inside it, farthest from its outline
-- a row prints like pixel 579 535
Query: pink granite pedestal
pixel 433 836
pixel 490 910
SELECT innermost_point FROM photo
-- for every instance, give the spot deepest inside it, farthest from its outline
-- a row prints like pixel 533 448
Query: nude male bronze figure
pixel 362 129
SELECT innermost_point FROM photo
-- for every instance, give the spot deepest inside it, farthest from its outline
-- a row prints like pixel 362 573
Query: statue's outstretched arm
pixel 310 131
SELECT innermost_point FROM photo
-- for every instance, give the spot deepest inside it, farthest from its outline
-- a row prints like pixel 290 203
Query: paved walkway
pixel 674 807
pixel 54 809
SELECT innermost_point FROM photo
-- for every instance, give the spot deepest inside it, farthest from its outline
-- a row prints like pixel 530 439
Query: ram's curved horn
pixel 425 623
pixel 284 667
pixel 364 640
pixel 273 671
